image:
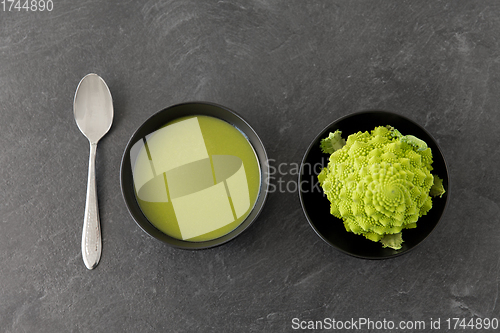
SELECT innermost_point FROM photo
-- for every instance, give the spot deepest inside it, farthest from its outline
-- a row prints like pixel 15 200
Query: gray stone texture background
pixel 289 68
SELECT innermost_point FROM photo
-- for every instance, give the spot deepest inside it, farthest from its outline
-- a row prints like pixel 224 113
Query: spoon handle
pixel 91 235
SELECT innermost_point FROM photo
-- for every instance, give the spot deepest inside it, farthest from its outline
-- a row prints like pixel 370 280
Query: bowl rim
pixel 321 134
pixel 261 197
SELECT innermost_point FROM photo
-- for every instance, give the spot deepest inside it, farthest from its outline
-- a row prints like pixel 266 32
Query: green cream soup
pixel 196 179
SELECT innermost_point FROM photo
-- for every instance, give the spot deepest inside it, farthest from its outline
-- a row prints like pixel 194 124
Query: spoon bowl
pixel 93 107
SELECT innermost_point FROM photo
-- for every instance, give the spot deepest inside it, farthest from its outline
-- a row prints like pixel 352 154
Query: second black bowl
pixel 316 206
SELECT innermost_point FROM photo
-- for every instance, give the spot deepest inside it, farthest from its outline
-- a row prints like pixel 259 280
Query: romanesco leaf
pixel 393 241
pixel 332 143
pixel 394 132
pixel 415 142
pixel 409 139
pixel 437 188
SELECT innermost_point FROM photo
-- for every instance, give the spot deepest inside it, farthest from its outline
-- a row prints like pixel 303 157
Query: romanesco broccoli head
pixel 378 183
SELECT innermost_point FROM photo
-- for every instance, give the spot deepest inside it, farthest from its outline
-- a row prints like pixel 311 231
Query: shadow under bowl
pixel 170 114
pixel 316 206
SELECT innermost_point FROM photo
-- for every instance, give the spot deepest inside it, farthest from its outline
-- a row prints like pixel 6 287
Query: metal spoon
pixel 93 111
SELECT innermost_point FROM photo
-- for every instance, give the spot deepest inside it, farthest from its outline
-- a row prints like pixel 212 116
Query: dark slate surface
pixel 289 68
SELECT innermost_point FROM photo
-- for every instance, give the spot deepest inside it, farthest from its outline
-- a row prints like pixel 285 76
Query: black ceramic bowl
pixel 157 121
pixel 316 206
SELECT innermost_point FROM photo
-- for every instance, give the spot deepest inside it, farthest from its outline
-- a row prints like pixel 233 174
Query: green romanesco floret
pixel 378 183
